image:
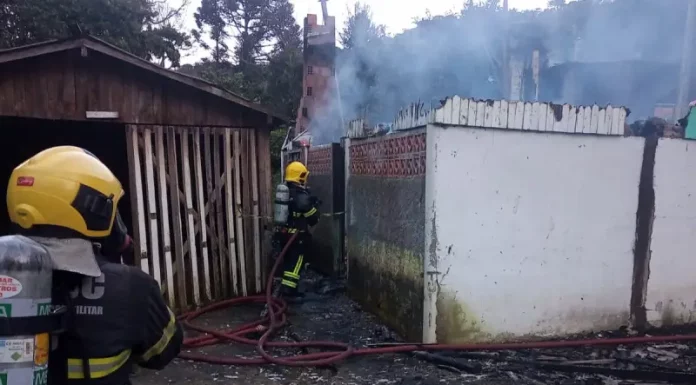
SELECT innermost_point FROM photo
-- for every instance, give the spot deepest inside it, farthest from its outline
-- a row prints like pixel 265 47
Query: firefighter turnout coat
pixel 118 319
pixel 304 209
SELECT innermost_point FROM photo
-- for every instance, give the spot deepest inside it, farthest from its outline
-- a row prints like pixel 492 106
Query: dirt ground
pixel 328 314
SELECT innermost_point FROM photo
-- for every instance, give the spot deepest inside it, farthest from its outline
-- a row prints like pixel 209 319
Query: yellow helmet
pixel 65 187
pixel 296 172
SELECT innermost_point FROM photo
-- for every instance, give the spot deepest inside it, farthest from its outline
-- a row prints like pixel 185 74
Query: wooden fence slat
pixel 245 187
pixel 255 212
pixel 137 184
pixel 164 210
pixel 176 216
pixel 193 253
pixel 238 212
pixel 218 217
pixel 200 198
pixel 211 184
pixel 152 205
pixel 265 192
pixel 230 214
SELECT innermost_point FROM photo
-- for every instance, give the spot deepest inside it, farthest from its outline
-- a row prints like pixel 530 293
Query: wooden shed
pixel 194 158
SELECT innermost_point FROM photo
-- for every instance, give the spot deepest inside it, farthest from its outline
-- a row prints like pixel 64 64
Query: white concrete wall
pixel 671 292
pixel 528 233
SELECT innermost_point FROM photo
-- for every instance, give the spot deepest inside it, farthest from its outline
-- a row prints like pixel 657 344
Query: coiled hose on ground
pixel 337 351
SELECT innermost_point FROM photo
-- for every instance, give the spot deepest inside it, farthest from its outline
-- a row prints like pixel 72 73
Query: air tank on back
pixel 26 274
pixel 281 208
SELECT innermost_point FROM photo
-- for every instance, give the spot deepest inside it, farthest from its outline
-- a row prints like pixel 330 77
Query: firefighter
pixel 66 199
pixel 118 246
pixel 303 213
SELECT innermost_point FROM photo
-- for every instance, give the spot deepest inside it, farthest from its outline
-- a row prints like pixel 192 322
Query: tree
pixel 259 27
pixel 283 86
pixel 360 30
pixel 142 27
pixel 210 14
pixel 265 64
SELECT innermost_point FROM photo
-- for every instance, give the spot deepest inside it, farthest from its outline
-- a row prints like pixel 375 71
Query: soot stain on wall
pixel 645 217
pixel 385 249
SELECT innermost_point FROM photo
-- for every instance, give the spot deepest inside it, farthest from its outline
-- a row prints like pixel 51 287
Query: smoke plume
pixel 621 52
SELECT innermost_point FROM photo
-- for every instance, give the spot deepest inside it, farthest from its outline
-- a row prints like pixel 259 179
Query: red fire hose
pixel 337 351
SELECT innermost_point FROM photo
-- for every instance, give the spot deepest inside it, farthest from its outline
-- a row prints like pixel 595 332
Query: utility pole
pixel 506 51
pixel 685 71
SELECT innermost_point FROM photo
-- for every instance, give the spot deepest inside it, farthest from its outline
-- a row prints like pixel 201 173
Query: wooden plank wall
pixel 65 85
pixel 200 208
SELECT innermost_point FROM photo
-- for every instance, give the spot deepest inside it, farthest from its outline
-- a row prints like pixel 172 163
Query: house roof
pixel 97 45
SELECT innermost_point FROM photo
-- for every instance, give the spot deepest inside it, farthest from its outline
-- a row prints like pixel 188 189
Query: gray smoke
pixel 622 52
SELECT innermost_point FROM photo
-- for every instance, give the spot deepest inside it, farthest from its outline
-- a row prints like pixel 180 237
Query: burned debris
pixel 330 315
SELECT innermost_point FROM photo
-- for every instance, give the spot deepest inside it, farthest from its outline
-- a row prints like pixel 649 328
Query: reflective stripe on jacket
pixel 120 319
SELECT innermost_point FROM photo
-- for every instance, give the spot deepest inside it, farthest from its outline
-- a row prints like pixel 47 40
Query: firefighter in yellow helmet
pixel 303 213
pixel 66 199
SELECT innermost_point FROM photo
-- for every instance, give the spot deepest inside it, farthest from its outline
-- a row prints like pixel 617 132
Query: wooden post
pixel 245 195
pixel 136 196
pixel 200 198
pixel 255 210
pixel 682 107
pixel 265 193
pixel 152 204
pixel 218 217
pixel 176 216
pixel 228 153
pixel 190 227
pixel 506 52
pixel 211 183
pixel 164 209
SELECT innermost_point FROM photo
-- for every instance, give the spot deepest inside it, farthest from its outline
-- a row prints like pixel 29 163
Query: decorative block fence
pixel 386 213
pixel 495 220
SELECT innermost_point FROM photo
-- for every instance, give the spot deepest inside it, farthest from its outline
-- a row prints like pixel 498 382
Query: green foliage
pixel 277 139
pixel 260 28
pixel 283 81
pixel 142 27
pixel 265 64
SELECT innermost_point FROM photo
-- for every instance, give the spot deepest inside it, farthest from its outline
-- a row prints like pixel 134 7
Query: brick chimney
pixel 319 69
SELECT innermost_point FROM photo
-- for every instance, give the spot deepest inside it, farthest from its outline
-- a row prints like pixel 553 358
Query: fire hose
pixel 337 351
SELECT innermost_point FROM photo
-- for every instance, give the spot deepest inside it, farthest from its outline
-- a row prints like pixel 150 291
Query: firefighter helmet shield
pixel 64 187
pixel 296 172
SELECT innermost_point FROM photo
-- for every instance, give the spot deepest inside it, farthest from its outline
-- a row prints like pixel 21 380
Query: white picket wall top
pixel 504 114
pixel 356 128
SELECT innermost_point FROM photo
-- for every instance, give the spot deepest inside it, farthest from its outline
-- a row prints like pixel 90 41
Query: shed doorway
pixel 25 137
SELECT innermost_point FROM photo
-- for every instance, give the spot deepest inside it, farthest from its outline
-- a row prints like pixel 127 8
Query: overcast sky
pixel 397 15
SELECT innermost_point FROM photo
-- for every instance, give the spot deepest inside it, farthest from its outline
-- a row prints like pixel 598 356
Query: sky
pixel 396 15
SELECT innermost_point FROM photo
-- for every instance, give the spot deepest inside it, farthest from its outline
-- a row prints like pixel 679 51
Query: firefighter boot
pixel 290 294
